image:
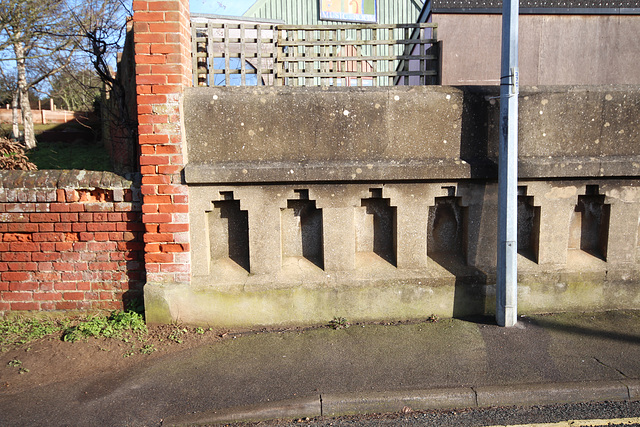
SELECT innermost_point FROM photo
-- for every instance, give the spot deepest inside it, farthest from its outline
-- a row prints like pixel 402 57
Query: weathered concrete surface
pixel 298 124
pixel 563 131
pixel 271 134
pixel 274 134
pixel 380 203
pixel 277 285
pixel 360 369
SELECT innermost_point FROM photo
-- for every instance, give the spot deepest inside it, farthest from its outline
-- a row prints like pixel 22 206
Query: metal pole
pixel 507 268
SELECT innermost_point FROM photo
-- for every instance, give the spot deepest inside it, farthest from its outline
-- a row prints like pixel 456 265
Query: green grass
pixel 70 155
pixel 65 155
pixel 5 128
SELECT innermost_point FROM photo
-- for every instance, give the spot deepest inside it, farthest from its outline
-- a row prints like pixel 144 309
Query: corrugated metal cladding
pixel 305 12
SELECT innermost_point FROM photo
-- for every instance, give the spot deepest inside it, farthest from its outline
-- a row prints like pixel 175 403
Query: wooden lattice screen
pixel 333 55
pixel 356 55
pixel 238 54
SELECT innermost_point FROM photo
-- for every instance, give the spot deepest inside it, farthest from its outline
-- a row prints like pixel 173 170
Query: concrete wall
pixel 553 49
pixel 381 203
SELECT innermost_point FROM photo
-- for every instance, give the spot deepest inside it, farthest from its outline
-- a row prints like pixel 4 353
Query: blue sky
pixel 221 7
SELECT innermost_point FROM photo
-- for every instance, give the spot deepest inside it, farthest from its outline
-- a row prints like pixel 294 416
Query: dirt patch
pixel 51 360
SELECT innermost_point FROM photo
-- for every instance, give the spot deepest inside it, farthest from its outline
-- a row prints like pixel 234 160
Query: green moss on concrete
pixel 298 305
pixel 376 300
pixel 561 292
pixel 156 306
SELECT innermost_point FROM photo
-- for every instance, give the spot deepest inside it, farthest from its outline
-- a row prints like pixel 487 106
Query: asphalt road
pixel 478 417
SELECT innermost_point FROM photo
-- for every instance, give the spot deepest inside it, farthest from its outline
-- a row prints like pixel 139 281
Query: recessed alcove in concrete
pixel 301 229
pixel 228 228
pixel 376 228
pixel 528 226
pixel 447 231
pixel 589 230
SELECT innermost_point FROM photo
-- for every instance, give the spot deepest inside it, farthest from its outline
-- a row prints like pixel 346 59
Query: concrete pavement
pixel 366 368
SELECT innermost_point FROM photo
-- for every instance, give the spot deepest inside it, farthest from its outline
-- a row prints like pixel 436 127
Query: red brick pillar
pixel 163 69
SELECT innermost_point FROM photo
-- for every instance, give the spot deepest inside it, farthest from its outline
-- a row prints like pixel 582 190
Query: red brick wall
pixel 69 240
pixel 83 240
pixel 162 42
pixel 119 113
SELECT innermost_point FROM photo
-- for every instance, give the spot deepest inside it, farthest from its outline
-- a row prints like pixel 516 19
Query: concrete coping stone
pixel 578 167
pixel 528 168
pixel 66 179
pixel 213 173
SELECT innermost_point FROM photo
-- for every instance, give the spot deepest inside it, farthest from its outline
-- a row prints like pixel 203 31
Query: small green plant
pixel 148 349
pixel 15 363
pixel 200 330
pixel 433 318
pixel 125 326
pixel 339 323
pixel 18 331
pixel 135 304
pixel 118 325
pixel 177 334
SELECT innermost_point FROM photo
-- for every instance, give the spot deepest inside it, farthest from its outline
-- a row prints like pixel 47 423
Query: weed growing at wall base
pixel 18 331
pixel 339 323
pixel 119 325
pixel 126 327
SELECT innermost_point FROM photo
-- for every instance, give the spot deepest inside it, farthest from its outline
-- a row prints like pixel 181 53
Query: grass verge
pixel 79 152
pixel 70 155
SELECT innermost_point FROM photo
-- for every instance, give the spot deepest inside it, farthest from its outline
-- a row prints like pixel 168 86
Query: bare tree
pixel 76 87
pixel 102 26
pixel 34 36
pixel 104 30
pixel 9 94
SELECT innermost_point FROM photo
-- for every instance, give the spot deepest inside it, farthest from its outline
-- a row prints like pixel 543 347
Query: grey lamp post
pixel 507 268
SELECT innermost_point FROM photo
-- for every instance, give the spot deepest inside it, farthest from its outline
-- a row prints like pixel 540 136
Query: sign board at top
pixel 349 10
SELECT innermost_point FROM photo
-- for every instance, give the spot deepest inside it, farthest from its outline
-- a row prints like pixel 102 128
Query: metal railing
pixel 314 55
